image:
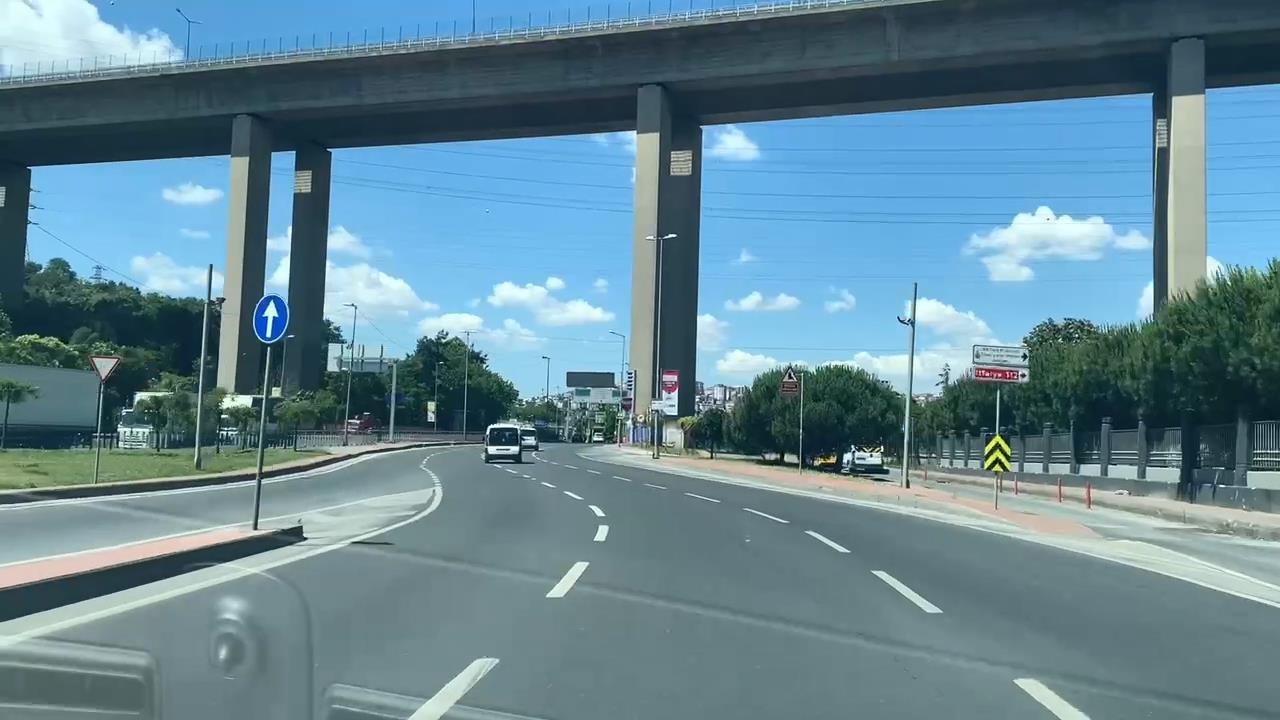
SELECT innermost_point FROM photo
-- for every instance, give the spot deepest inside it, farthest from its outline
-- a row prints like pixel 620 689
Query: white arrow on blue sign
pixel 270 318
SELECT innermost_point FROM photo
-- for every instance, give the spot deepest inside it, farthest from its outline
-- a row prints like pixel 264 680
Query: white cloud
pixel 474 302
pixel 928 366
pixel 511 334
pixel 744 257
pixel 372 289
pixel 39 31
pixel 452 323
pixel 601 285
pixel 194 234
pixel 191 194
pixel 159 273
pixel 1147 298
pixel 729 142
pixel 547 309
pixel 625 140
pixel 755 301
pixel 844 302
pixel 340 241
pixel 946 320
pixel 740 362
pixel 712 332
pixel 1008 251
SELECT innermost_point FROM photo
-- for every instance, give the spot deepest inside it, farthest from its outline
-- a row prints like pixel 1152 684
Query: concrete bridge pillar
pixel 15 201
pixel 1180 221
pixel 304 361
pixel 667 202
pixel 239 352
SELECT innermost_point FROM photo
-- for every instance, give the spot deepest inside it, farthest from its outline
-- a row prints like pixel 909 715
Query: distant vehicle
pixel 866 459
pixel 597 436
pixel 529 438
pixel 502 442
pixel 829 463
pixel 67 400
pixel 363 423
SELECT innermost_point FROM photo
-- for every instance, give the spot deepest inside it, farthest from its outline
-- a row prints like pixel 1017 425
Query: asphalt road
pixel 498 593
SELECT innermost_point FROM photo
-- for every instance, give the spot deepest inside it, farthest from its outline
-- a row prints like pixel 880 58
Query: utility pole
pixel 350 371
pixel 204 351
pixel 546 391
pixel 436 414
pixel 466 384
pixel 391 432
pixel 622 380
pixel 657 338
pixel 911 364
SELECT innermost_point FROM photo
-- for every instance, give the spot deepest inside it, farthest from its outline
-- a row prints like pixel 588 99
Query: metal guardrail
pixel 257 53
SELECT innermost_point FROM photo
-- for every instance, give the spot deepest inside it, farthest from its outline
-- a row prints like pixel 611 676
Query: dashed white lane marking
pixel 702 497
pixel 593 472
pixel 767 516
pixel 656 487
pixel 827 541
pixel 602 532
pixel 575 497
pixel 526 477
pixel 1049 699
pixel 595 509
pixel 907 592
pixel 619 477
pixel 452 692
pixel 562 588
pixel 547 484
pixel 572 467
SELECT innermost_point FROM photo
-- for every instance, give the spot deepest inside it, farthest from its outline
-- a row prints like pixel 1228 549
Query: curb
pixel 67 492
pixel 63 590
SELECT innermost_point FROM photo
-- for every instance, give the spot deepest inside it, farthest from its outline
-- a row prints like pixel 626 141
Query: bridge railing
pixel 442 35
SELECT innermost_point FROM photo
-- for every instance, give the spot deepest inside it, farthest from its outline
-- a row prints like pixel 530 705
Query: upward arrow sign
pixel 270 315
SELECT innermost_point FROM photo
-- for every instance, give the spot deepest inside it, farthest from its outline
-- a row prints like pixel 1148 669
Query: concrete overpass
pixel 664 79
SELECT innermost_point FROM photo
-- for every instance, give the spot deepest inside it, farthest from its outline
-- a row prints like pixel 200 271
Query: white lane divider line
pixel 547 484
pixel 619 477
pixel 602 532
pixel 768 516
pixel 595 509
pixel 656 487
pixel 827 541
pixel 526 477
pixel 452 692
pixel 575 497
pixel 562 588
pixel 1049 699
pixel 572 467
pixel 702 497
pixel 593 472
pixel 907 592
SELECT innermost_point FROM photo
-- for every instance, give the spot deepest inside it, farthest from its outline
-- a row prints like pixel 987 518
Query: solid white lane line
pixel 1049 699
pixel 596 510
pixel 768 516
pixel 657 487
pixel 907 592
pixel 602 532
pixel 547 484
pixel 827 541
pixel 575 497
pixel 593 472
pixel 562 588
pixel 619 477
pixel 452 692
pixel 572 467
pixel 702 497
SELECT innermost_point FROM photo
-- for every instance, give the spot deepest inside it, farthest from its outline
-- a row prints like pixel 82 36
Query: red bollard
pixel 1059 489
pixel 1088 495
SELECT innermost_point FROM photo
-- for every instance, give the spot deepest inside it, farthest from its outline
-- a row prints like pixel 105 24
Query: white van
pixel 502 442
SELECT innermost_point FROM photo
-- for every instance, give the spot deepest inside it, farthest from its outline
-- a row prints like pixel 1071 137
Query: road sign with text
pixel 1004 355
pixel 997 456
pixel 790 384
pixel 996 374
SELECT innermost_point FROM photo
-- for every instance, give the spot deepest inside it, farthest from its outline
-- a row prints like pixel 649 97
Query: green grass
pixel 49 468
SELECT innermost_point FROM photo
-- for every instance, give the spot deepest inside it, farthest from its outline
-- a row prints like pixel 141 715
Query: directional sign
pixel 270 318
pixel 104 365
pixel 996 457
pixel 1006 355
pixel 790 385
pixel 1001 374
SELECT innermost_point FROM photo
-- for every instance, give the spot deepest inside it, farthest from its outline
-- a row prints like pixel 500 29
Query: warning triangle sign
pixel 104 365
pixel 790 376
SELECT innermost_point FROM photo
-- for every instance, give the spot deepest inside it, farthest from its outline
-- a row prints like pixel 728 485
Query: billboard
pixel 670 391
pixel 589 380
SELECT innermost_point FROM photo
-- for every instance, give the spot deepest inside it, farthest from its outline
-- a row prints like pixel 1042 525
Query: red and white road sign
pixel 670 382
pixel 104 365
pixel 990 373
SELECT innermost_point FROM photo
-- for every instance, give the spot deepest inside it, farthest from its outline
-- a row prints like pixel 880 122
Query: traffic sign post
pixel 270 321
pixel 789 386
pixel 103 365
pixel 996 458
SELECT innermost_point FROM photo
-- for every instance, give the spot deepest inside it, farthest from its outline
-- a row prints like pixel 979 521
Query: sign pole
pixel 97 452
pixel 262 435
pixel 391 434
pixel 800 460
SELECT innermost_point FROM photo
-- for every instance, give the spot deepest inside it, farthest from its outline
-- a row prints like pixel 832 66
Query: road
pixel 569 587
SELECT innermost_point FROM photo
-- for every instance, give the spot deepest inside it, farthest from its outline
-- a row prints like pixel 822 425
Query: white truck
pixel 66 401
pixel 863 459
pixel 134 433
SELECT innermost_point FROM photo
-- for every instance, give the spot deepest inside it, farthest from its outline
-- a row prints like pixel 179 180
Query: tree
pixel 1071 331
pixel 305 409
pixel 14 391
pixel 944 377
pixel 708 429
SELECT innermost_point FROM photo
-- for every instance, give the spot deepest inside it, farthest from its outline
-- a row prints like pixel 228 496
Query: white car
pixel 502 442
pixel 597 436
pixel 529 439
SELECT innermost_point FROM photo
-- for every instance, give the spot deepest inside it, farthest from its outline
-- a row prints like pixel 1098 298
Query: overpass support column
pixel 15 201
pixel 667 202
pixel 304 362
pixel 239 352
pixel 1180 221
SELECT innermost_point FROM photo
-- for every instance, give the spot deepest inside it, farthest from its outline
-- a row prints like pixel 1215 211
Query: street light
pixel 436 414
pixel 546 390
pixel 204 344
pixel 911 363
pixel 466 384
pixel 190 22
pixel 657 334
pixel 350 370
pixel 622 378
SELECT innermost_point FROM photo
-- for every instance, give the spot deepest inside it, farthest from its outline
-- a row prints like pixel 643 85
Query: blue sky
pixel 1005 215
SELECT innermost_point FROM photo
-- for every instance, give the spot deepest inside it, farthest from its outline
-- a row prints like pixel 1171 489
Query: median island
pixel 20 469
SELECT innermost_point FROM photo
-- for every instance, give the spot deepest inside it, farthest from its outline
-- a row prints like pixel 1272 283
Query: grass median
pixel 51 468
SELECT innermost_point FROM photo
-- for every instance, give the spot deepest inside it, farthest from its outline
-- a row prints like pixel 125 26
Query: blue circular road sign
pixel 270 318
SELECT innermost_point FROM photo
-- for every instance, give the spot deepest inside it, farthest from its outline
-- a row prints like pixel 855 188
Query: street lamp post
pixel 190 22
pixel 204 351
pixel 657 335
pixel 546 390
pixel 911 362
pixel 622 377
pixel 466 384
pixel 436 414
pixel 350 371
